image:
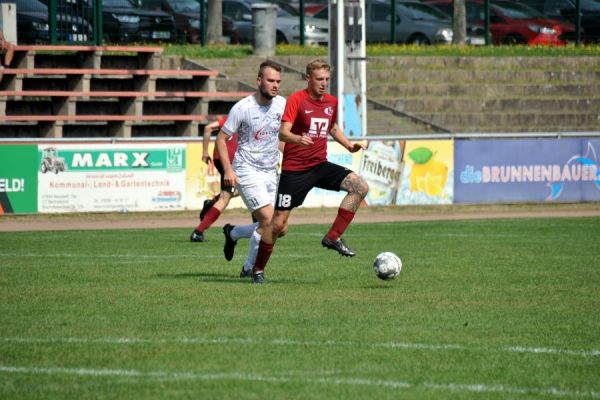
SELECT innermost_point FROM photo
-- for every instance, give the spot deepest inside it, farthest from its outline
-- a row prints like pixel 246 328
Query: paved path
pixel 189 219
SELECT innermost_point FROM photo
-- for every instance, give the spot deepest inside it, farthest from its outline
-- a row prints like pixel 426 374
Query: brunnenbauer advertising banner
pixel 115 177
pixel 533 170
pixel 18 179
pixel 427 175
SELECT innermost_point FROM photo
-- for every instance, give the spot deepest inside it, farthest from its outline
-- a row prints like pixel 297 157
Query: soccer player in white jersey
pixel 256 119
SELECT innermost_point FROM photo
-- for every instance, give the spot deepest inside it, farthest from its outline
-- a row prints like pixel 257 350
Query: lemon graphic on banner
pixel 427 175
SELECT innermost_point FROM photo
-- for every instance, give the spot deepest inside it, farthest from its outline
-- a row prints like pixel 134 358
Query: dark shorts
pixel 219 167
pixel 295 185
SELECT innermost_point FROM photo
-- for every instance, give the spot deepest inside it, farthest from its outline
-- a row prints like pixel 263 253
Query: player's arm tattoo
pixel 357 189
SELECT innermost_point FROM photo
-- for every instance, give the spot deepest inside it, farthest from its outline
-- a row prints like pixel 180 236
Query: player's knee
pixel 278 228
pixel 283 232
pixel 359 186
pixel 364 188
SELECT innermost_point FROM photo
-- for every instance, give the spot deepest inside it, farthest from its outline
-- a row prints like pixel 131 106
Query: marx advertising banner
pixel 533 170
pixel 116 177
pixel 18 179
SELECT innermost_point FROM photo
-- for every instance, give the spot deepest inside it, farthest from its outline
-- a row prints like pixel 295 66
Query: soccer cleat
pixel 258 278
pixel 245 273
pixel 229 247
pixel 197 236
pixel 339 246
pixel 207 205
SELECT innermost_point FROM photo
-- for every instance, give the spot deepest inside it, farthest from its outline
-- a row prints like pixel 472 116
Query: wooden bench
pixel 118 93
pixel 136 109
pixel 87 118
pixel 109 71
pixel 118 125
pixel 64 48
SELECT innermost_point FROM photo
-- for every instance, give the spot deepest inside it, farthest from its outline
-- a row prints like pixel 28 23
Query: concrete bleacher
pixel 106 91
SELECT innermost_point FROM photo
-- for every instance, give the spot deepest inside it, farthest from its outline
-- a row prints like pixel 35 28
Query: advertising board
pixel 531 170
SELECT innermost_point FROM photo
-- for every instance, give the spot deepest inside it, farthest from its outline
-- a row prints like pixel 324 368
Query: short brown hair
pixel 317 63
pixel 268 64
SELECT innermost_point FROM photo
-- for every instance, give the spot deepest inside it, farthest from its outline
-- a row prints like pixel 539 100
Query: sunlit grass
pixel 374 50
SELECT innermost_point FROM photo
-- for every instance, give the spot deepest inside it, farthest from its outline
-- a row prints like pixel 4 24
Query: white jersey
pixel 258 132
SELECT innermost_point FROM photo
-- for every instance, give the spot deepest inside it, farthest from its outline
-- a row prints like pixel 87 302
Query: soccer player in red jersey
pixel 309 118
pixel 214 207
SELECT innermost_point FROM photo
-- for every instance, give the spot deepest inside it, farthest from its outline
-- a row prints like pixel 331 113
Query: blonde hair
pixel 317 63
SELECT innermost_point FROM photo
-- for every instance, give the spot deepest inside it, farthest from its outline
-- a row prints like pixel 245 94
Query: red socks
pixel 211 216
pixel 343 219
pixel 262 257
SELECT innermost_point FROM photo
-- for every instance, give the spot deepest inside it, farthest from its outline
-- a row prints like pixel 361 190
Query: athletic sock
pixel 262 256
pixel 243 231
pixel 211 216
pixel 343 219
pixel 252 250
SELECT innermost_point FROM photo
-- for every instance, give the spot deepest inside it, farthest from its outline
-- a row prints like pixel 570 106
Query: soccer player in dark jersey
pixel 309 118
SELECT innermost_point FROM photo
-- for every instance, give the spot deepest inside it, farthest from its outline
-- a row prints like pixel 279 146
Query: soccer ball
pixel 387 265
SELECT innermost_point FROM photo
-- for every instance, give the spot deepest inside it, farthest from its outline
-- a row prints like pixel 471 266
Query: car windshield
pixel 422 11
pixel 184 6
pixel 516 11
pixel 591 5
pixel 117 3
pixel 28 5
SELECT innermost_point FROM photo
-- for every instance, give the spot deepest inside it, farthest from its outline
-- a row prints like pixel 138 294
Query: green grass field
pixel 483 309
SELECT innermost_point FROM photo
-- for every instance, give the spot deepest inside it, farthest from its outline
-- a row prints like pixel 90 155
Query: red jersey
pixel 231 142
pixel 309 117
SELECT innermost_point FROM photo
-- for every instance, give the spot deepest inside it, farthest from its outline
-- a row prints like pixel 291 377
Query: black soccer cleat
pixel 229 247
pixel 338 245
pixel 197 236
pixel 258 278
pixel 207 206
pixel 245 273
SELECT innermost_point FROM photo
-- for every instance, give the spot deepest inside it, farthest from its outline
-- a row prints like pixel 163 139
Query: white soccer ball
pixel 387 265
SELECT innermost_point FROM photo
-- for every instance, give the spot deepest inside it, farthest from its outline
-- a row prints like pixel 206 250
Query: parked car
pixel 416 23
pixel 186 14
pixel 564 10
pixel 33 26
pixel 514 23
pixel 311 7
pixel 316 31
pixel 123 22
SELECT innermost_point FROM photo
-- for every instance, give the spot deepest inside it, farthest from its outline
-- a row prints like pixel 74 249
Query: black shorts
pixel 295 185
pixel 219 166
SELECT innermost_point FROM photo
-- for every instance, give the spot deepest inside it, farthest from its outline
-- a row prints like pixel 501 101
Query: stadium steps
pixel 381 118
pixel 471 94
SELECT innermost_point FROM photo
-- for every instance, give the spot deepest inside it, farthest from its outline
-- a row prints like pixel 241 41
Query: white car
pixel 316 31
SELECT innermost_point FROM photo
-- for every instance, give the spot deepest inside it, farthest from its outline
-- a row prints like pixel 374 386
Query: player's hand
pixel 356 147
pixel 305 141
pixel 230 179
pixel 206 158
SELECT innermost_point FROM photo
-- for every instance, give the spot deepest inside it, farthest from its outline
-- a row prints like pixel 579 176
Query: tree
pixel 459 24
pixel 214 21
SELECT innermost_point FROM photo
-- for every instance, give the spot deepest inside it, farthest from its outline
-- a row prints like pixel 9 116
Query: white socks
pixel 243 231
pixel 252 251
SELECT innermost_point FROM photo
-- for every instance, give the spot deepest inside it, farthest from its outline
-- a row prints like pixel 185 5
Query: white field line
pixel 239 376
pixel 287 342
pixel 133 256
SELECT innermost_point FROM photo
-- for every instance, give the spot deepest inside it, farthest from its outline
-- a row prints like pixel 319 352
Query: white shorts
pixel 257 188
